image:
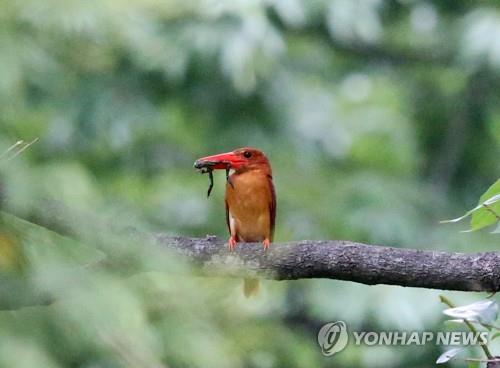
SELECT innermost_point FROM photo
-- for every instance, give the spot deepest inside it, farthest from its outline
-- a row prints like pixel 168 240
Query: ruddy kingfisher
pixel 250 199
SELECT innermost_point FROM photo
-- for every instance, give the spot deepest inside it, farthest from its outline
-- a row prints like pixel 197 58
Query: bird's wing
pixel 227 217
pixel 272 205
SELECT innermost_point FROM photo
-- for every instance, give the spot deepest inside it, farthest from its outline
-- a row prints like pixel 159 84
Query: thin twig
pixel 27 145
pixel 11 148
pixel 482 360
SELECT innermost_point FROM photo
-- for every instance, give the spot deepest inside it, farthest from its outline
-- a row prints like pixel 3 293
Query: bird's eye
pixel 247 154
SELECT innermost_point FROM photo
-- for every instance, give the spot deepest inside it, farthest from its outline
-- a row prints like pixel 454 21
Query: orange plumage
pixel 250 199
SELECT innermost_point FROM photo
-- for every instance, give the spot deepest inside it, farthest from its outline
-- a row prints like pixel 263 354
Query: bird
pixel 250 199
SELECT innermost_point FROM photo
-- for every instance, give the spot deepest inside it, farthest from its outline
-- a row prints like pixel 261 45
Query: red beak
pixel 221 161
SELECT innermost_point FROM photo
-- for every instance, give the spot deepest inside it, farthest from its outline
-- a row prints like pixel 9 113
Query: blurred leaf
pixel 448 355
pixel 485 312
pixel 19 353
pixel 41 246
pixel 454 321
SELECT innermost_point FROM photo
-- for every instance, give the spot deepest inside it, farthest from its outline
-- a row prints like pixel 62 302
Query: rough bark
pixel 343 260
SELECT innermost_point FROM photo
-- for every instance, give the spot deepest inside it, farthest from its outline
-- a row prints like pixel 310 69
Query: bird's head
pixel 241 159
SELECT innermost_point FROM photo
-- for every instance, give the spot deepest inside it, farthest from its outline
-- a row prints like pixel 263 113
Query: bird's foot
pixel 231 244
pixel 266 243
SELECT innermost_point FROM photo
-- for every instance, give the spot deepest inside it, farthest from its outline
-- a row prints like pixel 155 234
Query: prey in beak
pixel 207 165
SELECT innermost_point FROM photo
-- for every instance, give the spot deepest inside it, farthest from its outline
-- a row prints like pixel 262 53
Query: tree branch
pixel 343 260
pixel 339 260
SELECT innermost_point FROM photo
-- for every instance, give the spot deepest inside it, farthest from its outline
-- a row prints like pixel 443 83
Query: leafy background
pixel 380 119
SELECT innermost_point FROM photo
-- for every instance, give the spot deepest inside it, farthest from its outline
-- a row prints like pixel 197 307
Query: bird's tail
pixel 250 287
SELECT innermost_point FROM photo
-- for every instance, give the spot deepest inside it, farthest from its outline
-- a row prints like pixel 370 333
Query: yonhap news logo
pixel 333 337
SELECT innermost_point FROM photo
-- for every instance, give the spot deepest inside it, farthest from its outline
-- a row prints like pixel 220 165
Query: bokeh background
pixel 380 119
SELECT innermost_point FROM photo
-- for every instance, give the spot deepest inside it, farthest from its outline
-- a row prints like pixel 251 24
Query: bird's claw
pixel 231 244
pixel 266 243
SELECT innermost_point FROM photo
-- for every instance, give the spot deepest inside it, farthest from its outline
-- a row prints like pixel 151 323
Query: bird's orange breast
pixel 249 201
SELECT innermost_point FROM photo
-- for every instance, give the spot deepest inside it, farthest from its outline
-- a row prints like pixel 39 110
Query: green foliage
pixel 380 118
pixel 487 212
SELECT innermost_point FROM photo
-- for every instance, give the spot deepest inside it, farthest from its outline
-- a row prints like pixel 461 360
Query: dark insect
pixel 208 170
